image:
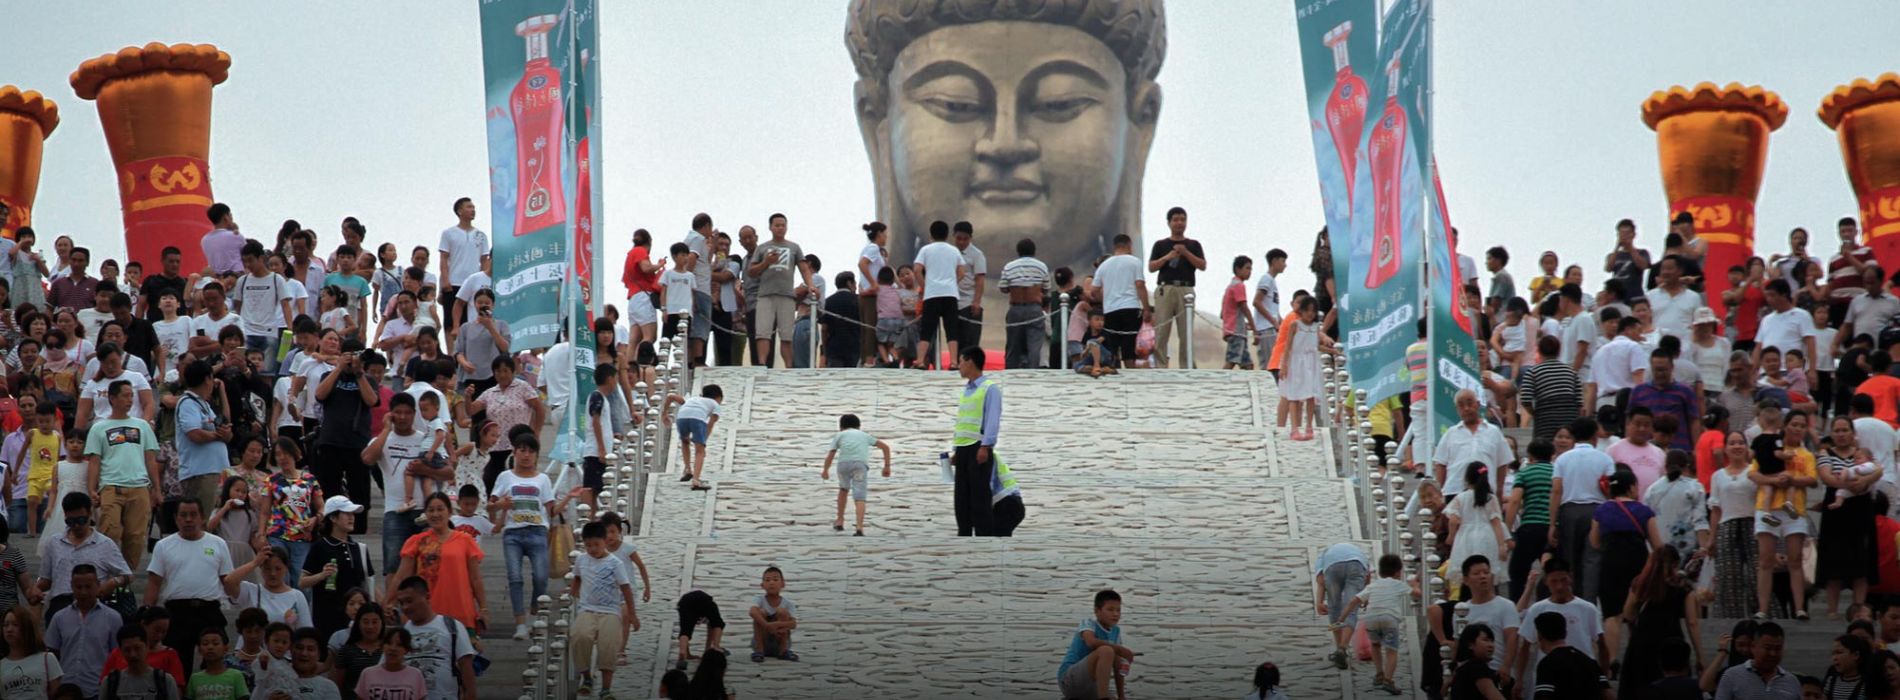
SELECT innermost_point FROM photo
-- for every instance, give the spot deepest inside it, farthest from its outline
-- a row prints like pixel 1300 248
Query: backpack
pixel 110 689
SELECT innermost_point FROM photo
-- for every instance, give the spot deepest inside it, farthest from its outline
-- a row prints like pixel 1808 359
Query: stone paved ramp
pixel 1168 486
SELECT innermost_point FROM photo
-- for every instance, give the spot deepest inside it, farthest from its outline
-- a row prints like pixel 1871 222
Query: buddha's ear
pixel 872 106
pixel 1144 110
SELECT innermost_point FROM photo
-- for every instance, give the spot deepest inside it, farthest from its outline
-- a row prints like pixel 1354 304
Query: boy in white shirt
pixel 601 591
pixel 1384 601
pixel 676 291
pixel 773 619
pixel 851 447
pixel 695 420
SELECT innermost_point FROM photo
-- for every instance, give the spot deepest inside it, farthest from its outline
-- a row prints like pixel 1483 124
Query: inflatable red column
pixel 26 119
pixel 155 104
pixel 1713 144
pixel 1866 117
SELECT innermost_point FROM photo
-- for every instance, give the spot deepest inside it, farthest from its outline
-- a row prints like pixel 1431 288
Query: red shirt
pixel 1748 313
pixel 162 659
pixel 636 280
pixel 1885 391
pixel 1889 555
pixel 1708 456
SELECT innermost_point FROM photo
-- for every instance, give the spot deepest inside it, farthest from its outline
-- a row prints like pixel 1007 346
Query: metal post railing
pixel 811 318
pixel 1188 301
pixel 1061 338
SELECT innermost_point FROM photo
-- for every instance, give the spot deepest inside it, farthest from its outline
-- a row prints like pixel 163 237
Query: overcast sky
pixel 742 108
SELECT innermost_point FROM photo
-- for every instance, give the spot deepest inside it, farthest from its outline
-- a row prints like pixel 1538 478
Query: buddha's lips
pixel 1011 191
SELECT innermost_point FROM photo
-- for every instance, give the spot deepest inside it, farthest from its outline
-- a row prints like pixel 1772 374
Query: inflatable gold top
pixel 1859 93
pixel 32 105
pixel 1734 97
pixel 132 60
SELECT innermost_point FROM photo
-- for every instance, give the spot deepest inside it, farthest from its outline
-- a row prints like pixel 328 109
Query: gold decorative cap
pixel 1857 94
pixel 1734 97
pixel 131 60
pixel 32 104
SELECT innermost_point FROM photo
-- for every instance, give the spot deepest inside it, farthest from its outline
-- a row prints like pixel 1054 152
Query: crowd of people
pixel 1688 459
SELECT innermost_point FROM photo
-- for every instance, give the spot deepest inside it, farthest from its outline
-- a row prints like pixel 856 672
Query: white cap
pixel 340 504
pixel 1703 314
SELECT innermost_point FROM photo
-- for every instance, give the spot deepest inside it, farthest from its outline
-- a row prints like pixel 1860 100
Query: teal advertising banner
pixel 1362 185
pixel 1454 352
pixel 540 60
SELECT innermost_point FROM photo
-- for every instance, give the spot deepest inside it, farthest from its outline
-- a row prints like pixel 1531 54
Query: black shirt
pixel 140 339
pixel 1568 674
pixel 345 416
pixel 1765 446
pixel 1672 688
pixel 353 568
pixel 1464 682
pixel 1623 270
pixel 155 285
pixel 841 335
pixel 1178 270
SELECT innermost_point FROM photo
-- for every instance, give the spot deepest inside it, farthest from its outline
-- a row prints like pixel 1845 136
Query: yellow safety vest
pixel 969 428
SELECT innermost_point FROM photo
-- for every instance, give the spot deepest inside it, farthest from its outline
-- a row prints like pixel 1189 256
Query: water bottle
pixel 943 465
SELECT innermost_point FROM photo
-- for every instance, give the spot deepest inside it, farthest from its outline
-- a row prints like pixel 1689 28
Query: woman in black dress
pixel 1474 679
pixel 1626 531
pixel 1846 549
pixel 1657 610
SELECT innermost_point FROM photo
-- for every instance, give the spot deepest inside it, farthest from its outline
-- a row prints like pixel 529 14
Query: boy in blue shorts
pixel 1096 654
pixel 695 420
pixel 851 447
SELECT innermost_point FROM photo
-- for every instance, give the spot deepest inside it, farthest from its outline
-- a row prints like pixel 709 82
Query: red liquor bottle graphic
pixel 1387 150
pixel 540 122
pixel 1345 107
pixel 584 202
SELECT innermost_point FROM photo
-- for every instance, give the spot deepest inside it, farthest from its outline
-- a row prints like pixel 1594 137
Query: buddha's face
pixel 1021 128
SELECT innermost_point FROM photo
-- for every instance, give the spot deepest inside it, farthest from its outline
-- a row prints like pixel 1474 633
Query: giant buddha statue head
pixel 1027 118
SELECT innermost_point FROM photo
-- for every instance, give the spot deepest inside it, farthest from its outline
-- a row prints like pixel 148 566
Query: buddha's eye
pixel 953 108
pixel 1062 109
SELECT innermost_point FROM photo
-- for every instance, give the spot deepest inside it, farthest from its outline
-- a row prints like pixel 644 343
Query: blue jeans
pixel 298 551
pixel 530 542
pixel 16 514
pixel 266 344
pixel 801 343
pixel 397 529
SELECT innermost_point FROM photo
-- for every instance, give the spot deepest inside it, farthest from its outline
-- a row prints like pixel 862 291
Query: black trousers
pixel 723 354
pixel 1008 513
pixel 190 618
pixel 340 470
pixel 1531 541
pixel 969 328
pixel 974 516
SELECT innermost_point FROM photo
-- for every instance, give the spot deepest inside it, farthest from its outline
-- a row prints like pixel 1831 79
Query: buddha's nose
pixel 1006 143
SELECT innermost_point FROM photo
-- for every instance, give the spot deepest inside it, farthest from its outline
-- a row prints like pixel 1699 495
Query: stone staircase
pixel 1169 486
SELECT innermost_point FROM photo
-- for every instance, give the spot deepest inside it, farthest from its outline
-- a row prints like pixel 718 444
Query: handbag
pixel 560 543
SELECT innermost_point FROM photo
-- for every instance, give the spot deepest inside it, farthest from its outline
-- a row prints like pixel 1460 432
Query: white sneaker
pixel 521 633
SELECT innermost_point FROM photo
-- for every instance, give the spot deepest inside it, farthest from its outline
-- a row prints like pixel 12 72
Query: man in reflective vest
pixel 979 413
pixel 1006 500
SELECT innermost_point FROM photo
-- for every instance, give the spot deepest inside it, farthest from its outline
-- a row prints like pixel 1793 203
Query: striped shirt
pixel 1534 479
pixel 1553 393
pixel 1026 272
pixel 1416 359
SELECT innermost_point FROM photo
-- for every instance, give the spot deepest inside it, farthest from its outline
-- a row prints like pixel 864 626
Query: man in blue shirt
pixel 203 454
pixel 979 413
pixel 1663 395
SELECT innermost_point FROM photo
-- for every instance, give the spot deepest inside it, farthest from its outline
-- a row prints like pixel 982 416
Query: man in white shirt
pixel 1472 440
pixel 699 241
pixel 263 299
pixel 1620 364
pixel 1487 608
pixel 480 280
pixel 1672 304
pixel 970 287
pixel 1786 327
pixel 216 317
pixel 94 403
pixel 1868 313
pixel 398 335
pixel 943 272
pixel 463 248
pixel 1121 292
pixel 1583 626
pixel 1580 331
pixel 187 575
pixel 1575 486
pixel 1785 263
pixel 1266 304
